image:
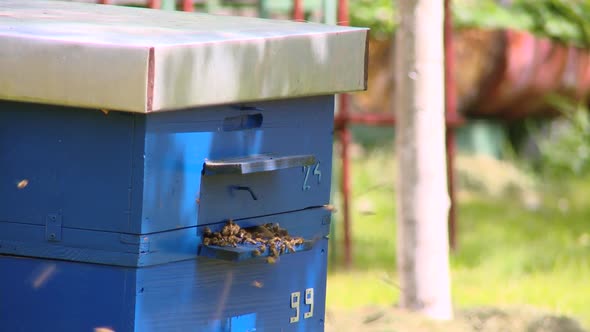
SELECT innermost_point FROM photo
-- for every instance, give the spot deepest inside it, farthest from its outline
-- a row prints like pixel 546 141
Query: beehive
pixel 125 132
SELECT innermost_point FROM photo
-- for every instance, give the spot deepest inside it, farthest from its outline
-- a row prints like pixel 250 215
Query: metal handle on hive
pixel 256 163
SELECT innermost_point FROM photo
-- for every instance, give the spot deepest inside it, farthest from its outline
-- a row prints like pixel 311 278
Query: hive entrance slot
pixel 235 243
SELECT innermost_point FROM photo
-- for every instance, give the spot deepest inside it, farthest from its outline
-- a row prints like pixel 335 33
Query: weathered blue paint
pixel 199 294
pixel 114 204
pixel 207 290
pixel 135 174
pixel 51 295
pixel 177 144
pixel 145 250
pixel 77 163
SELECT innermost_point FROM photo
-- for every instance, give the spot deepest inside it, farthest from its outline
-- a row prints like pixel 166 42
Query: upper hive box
pixel 119 123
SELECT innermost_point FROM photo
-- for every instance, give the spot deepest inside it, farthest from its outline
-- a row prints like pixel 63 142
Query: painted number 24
pixel 316 172
pixel 295 304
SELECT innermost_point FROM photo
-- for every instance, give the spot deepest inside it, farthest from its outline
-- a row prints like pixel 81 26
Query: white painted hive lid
pixel 144 60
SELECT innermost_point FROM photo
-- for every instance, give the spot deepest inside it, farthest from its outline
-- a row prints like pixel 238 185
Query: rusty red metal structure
pixel 533 67
pixel 452 119
pixel 155 4
pixel 298 13
pixel 345 118
pixel 187 6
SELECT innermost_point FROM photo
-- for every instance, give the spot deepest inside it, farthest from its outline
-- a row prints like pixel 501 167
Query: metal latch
pixel 53 227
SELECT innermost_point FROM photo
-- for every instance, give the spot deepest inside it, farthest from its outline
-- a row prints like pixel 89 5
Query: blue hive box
pixel 125 133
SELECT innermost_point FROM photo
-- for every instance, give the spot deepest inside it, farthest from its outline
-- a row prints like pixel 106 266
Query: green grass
pixel 507 255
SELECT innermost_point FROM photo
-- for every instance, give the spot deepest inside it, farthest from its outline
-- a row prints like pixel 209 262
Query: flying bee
pixel 329 207
pixel 22 184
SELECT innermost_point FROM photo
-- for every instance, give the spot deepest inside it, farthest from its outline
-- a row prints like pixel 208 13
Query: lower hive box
pixel 206 293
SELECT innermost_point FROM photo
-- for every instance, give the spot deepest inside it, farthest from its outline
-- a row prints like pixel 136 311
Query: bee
pixel 22 184
pixel 275 228
pixel 330 207
pixel 248 240
pixel 207 231
pixel 206 241
pixel 257 284
pixel 242 233
pixel 273 251
pixel 262 248
pixel 298 241
pixel 256 252
pixel 233 241
pixel 234 229
pixel 103 329
pixel 271 260
pixel 282 248
pixel 290 247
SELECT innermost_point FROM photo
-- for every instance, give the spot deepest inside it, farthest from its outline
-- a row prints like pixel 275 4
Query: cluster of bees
pixel 266 237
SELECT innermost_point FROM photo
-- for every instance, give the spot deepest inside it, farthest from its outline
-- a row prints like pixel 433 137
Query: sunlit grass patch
pixel 509 254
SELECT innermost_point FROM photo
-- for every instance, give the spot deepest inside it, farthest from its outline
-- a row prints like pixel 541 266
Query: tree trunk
pixel 422 196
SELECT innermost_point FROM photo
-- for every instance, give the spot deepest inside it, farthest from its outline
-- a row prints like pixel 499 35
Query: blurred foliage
pixel 511 252
pixel 379 15
pixel 563 20
pixel 566 152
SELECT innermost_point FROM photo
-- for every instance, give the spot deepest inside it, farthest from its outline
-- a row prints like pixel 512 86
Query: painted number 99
pixel 296 304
